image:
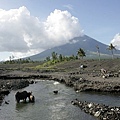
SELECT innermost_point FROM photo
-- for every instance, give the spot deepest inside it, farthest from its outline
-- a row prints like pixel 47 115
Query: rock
pixel 100 111
pixel 6 102
pixel 55 91
pixel 20 84
pixel 97 114
pixel 31 82
pixel 4 92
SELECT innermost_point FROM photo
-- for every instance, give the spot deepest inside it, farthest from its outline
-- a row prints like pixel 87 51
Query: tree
pixel 60 57
pixel 54 56
pixel 111 48
pixel 48 58
pixel 81 53
pixel 98 50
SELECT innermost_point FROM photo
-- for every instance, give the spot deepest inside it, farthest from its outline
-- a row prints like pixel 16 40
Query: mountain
pixel 85 42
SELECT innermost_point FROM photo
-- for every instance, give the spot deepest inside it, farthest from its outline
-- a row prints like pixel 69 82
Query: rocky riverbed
pixel 18 79
pixel 100 111
pixel 7 85
pixel 88 79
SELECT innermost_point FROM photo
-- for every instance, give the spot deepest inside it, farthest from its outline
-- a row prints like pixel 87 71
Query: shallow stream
pixel 49 106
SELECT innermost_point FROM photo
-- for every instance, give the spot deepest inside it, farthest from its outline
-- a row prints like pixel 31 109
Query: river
pixel 49 106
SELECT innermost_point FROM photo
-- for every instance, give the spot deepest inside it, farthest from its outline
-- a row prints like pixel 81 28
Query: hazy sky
pixel 28 27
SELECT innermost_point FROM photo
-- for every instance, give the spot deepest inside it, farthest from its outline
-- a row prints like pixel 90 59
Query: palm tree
pixel 81 53
pixel 54 55
pixel 98 50
pixel 60 57
pixel 111 47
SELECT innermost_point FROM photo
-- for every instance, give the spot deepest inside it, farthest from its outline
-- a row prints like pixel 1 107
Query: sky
pixel 28 27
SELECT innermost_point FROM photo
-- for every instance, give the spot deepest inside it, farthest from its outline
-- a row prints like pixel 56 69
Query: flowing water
pixel 49 106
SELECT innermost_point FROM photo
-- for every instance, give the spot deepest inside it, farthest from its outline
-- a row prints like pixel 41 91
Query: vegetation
pixel 18 61
pixel 57 59
pixel 50 62
pixel 98 50
pixel 81 53
pixel 111 48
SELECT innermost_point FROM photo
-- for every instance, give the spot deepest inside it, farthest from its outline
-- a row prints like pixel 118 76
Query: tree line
pixel 17 61
pixel 80 54
pixel 55 58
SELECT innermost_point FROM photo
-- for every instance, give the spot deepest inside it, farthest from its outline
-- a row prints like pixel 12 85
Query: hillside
pixel 85 42
pixel 91 64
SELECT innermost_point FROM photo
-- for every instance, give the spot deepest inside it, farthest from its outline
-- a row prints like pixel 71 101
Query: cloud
pixel 25 35
pixel 116 41
pixel 70 7
pixel 61 27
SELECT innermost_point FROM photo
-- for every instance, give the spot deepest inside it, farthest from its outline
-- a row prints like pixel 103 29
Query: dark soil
pixel 86 79
pixel 71 74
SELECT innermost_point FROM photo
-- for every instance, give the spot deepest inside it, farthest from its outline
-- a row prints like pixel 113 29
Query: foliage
pixel 111 48
pixel 81 53
pixel 57 59
pixel 61 57
pixel 54 55
pixel 18 61
pixel 48 58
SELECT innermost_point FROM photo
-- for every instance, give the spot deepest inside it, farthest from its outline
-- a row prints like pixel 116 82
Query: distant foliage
pixel 111 47
pixel 55 58
pixel 81 53
pixel 18 61
pixel 48 58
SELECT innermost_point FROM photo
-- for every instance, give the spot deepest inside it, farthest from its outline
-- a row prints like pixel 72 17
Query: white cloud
pixel 116 41
pixel 25 35
pixel 61 27
pixel 68 6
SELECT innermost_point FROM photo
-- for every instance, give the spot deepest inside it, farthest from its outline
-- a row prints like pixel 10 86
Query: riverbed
pixel 50 106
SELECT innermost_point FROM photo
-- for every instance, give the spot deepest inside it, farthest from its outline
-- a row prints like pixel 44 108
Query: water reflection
pixel 58 111
pixel 21 105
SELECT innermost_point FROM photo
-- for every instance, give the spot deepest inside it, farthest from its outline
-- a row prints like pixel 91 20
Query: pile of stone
pixel 81 84
pixel 100 111
pixel 7 85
